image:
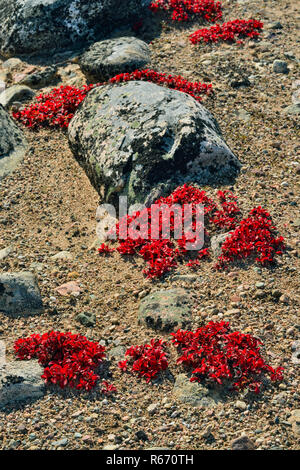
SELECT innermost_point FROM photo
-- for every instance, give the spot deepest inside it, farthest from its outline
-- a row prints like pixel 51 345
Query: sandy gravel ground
pixel 48 205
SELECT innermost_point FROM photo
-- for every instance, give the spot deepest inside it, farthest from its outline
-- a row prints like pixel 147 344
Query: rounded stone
pixel 105 59
pixel 166 310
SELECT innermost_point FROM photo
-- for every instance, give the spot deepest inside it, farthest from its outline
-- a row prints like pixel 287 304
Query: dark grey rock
pixel 20 294
pixel 42 26
pixel 166 310
pixel 12 144
pixel 139 139
pixel 280 66
pixel 15 93
pixel 20 381
pixel 108 58
pixel 243 443
pixel 194 394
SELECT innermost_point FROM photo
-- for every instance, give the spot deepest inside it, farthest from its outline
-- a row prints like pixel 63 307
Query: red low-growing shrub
pixel 148 359
pixel 216 353
pixel 254 236
pixel 69 360
pixel 229 31
pixel 176 82
pixel 56 109
pixel 183 10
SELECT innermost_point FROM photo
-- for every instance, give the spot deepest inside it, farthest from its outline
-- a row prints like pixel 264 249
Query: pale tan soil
pixel 48 205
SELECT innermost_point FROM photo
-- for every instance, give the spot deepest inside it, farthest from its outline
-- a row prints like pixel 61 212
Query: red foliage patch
pixel 57 108
pixel 195 89
pixel 54 109
pixel 183 10
pixel 252 236
pixel 218 354
pixel 69 360
pixel 255 235
pixel 148 359
pixel 229 31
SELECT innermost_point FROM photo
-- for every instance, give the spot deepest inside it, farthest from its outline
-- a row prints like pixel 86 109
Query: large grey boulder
pixel 166 310
pixel 105 59
pixel 20 294
pixel 20 381
pixel 142 140
pixel 42 26
pixel 12 144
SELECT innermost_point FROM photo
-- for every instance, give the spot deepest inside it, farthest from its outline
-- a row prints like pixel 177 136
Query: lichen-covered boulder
pixel 142 140
pixel 105 59
pixel 41 26
pixel 12 144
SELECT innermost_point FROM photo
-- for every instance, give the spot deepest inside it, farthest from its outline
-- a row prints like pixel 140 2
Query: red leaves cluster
pixel 56 109
pixel 148 359
pixel 183 10
pixel 229 31
pixel 175 82
pixel 254 235
pixel 216 353
pixel 69 360
pixel 212 352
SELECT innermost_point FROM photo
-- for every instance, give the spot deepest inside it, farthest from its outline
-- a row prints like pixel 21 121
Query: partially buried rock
pixel 292 109
pixel 41 78
pixel 117 352
pixel 194 394
pixel 12 144
pixel 243 443
pixel 105 59
pixel 86 319
pixel 166 310
pixel 142 140
pixel 20 381
pixel 20 294
pixel 16 93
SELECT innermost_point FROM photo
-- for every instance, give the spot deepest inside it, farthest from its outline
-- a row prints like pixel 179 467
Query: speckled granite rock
pixel 41 26
pixel 142 140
